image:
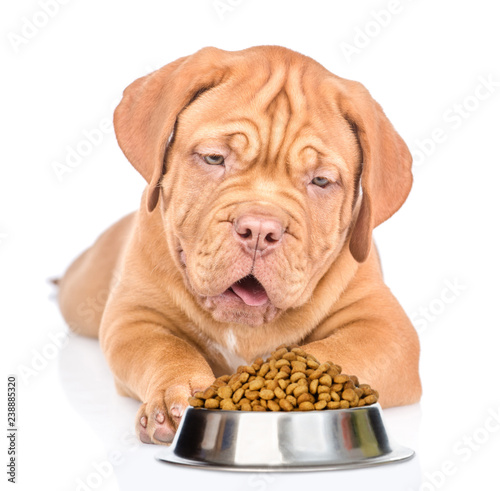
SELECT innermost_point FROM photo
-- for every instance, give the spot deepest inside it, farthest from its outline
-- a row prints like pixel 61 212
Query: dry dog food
pixel 290 380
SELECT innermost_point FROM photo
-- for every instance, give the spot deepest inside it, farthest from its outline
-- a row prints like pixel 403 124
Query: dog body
pixel 252 232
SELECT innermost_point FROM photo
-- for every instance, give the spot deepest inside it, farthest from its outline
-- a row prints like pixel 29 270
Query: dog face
pixel 258 155
pixel 261 195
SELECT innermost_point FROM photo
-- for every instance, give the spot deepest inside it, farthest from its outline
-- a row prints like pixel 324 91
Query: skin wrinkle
pixel 253 157
pixel 248 129
pixel 218 248
pixel 265 98
pixel 290 265
pixel 279 120
pixel 297 105
pixel 184 217
pixel 267 72
pixel 270 90
pixel 281 108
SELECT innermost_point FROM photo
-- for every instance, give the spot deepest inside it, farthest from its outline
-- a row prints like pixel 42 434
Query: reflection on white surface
pixel 88 385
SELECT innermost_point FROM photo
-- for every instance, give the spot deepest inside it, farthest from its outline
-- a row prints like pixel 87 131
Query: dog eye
pixel 214 159
pixel 320 181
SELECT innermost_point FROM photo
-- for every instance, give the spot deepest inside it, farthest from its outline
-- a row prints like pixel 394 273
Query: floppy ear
pixel 145 118
pixel 386 177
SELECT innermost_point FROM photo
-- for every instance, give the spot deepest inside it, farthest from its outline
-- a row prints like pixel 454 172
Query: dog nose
pixel 258 233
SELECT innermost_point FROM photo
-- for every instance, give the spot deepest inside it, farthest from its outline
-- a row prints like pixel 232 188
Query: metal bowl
pixel 283 441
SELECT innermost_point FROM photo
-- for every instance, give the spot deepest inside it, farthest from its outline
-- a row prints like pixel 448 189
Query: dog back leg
pixel 85 287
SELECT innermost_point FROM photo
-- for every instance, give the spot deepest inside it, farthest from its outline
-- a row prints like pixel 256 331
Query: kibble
pixel 289 380
pixel 211 403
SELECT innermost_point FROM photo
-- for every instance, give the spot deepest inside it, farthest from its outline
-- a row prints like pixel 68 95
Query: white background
pixel 439 252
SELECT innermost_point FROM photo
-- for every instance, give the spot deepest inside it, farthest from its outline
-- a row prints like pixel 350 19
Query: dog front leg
pixel 158 368
pixel 381 353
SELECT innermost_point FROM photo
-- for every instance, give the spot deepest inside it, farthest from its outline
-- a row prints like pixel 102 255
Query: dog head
pixel 255 159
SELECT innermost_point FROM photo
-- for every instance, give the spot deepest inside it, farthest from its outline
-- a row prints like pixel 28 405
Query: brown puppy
pixel 252 232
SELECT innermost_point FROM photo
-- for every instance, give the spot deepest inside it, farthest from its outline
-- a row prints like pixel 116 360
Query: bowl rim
pixel 314 411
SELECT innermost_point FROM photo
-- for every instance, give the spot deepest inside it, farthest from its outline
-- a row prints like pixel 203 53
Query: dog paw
pixel 157 420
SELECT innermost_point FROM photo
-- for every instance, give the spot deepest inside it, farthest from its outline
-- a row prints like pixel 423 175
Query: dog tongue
pixel 250 291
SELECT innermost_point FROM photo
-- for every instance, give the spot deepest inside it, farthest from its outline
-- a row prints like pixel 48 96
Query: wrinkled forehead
pixel 287 113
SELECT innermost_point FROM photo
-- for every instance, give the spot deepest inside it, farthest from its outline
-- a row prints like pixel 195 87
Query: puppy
pixel 266 176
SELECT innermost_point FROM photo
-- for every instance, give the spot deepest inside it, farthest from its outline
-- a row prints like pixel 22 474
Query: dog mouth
pixel 250 291
pixel 247 289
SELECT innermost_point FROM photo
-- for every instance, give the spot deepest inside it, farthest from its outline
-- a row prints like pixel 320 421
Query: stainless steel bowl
pixel 282 441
